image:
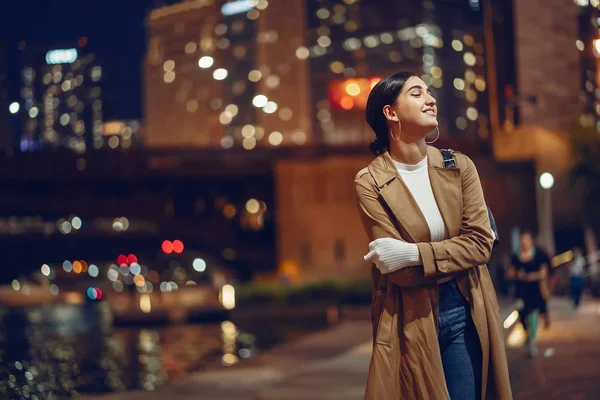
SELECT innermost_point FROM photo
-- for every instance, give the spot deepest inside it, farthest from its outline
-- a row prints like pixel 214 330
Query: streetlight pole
pixel 544 205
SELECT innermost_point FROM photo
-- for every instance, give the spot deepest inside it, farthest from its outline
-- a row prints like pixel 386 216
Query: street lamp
pixel 546 228
pixel 546 180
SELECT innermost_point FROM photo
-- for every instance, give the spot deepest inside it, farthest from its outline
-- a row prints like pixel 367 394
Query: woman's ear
pixel 389 113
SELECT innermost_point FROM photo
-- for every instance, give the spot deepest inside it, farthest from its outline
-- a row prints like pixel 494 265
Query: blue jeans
pixel 459 344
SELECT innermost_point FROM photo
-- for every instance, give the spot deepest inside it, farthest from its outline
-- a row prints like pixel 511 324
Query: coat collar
pixel 446 186
pixel 383 170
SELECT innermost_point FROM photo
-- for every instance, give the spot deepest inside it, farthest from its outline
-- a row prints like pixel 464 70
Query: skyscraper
pixel 220 74
pixel 61 97
pixel 5 131
pixel 253 72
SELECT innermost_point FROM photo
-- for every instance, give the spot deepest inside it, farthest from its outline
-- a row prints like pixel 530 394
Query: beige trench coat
pixel 406 361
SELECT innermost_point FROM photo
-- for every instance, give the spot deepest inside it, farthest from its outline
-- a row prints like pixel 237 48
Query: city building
pixel 352 44
pixel 247 74
pixel 5 108
pixel 555 88
pixel 252 72
pixel 61 97
pixel 122 134
pixel 222 74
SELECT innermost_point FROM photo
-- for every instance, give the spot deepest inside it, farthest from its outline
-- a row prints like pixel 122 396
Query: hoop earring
pixel 436 138
pixel 399 128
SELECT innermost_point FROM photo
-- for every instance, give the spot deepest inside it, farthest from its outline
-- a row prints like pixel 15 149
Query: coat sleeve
pixel 473 245
pixel 379 224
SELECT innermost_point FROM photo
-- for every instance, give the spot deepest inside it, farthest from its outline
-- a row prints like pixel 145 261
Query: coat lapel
pixel 446 187
pixel 398 198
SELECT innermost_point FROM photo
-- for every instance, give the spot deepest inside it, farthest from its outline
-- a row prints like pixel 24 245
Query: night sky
pixel 115 30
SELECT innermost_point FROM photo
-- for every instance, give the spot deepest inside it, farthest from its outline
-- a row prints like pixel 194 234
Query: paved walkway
pixel 568 364
pixel 332 365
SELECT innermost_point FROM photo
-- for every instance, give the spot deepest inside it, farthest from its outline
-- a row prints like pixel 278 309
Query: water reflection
pixel 50 353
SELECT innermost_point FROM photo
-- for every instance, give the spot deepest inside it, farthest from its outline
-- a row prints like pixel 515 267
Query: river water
pixel 42 360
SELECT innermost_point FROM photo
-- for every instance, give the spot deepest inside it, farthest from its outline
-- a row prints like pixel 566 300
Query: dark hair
pixel 385 92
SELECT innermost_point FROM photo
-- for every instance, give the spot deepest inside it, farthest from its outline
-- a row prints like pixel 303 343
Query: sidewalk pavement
pixel 332 365
pixel 567 366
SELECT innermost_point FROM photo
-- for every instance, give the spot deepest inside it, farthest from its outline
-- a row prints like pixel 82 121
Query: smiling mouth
pixel 430 112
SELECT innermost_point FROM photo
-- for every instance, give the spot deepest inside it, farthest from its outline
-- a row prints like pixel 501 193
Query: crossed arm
pixel 472 246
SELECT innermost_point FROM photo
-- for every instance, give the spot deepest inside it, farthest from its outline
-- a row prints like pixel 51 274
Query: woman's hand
pixel 389 254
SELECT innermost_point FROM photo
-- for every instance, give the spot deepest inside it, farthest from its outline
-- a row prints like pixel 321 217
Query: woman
pixel 529 268
pixel 436 329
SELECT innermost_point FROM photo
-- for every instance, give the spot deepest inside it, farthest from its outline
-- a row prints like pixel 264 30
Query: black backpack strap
pixel 449 161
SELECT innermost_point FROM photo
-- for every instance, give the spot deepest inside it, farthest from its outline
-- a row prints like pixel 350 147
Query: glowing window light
pixel 302 53
pixel 270 107
pixel 260 101
pixel 249 143
pixel 61 56
pixel 227 142
pixel 238 7
pixel 206 62
pixel 14 107
pixel 275 138
pixel 254 75
pixel 469 58
pixel 597 46
pixel 353 89
pixel 220 74
pixel 252 206
pixel 227 297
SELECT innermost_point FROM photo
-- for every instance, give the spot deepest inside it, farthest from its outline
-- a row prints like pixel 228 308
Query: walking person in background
pixel 437 334
pixel 530 268
pixel 546 285
pixel 576 276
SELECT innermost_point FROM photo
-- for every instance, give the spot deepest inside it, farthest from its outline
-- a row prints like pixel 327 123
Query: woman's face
pixel 415 108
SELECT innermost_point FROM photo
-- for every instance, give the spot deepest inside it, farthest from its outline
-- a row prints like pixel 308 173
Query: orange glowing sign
pixel 351 93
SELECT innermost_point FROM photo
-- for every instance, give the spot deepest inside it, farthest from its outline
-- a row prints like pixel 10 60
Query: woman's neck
pixel 408 153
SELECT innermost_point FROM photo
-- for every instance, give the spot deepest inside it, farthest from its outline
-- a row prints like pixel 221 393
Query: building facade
pixel 5 131
pixel 248 73
pixel 61 98
pixel 222 74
